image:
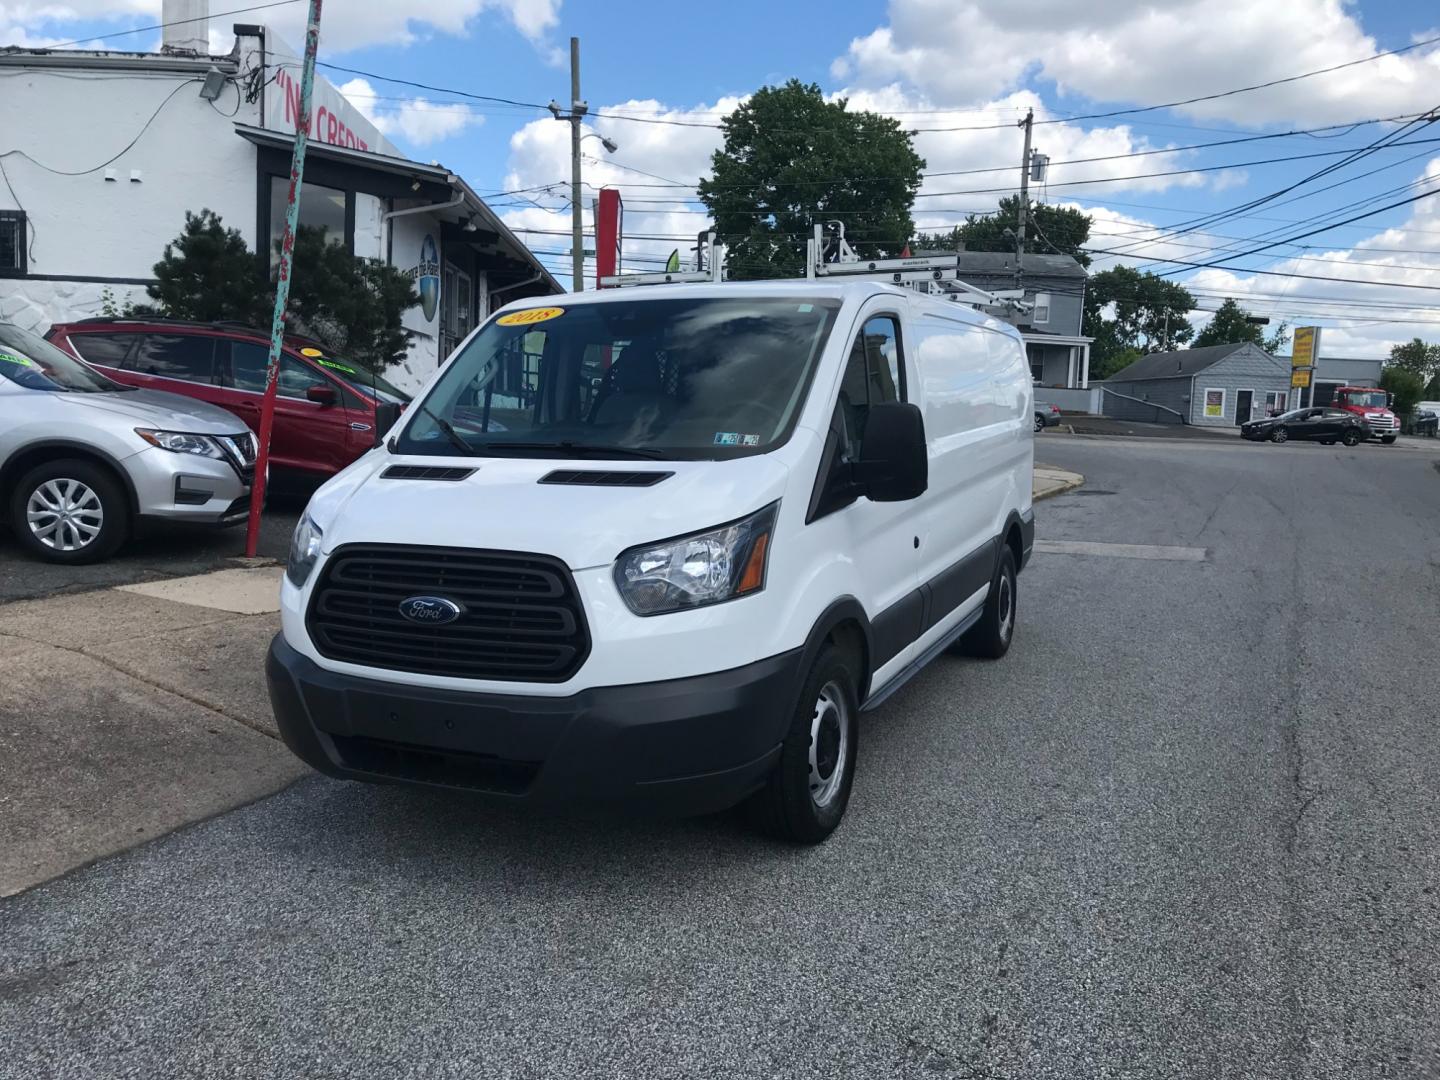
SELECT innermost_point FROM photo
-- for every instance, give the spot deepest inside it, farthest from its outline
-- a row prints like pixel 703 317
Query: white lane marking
pixel 1120 551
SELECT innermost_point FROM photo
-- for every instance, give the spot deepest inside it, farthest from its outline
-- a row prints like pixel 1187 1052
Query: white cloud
pixel 964 51
pixel 417 120
pixel 1362 317
pixel 350 25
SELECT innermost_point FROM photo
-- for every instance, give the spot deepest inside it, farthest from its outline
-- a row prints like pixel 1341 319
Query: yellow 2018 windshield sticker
pixel 530 316
pixel 16 358
pixel 313 353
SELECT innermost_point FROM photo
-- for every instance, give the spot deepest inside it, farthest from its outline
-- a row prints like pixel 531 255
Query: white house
pixel 105 151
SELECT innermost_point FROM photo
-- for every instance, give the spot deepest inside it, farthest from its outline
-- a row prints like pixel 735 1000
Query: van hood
pixel 162 411
pixel 503 505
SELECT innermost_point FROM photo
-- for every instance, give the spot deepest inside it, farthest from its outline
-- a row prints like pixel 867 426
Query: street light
pixel 610 145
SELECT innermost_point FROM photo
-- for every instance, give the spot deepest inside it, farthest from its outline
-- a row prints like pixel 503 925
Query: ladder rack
pixel 705 244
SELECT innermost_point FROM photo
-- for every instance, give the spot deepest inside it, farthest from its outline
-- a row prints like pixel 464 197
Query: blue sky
pixel 936 63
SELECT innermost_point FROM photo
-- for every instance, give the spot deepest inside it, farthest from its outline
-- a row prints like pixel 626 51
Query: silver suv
pixel 85 461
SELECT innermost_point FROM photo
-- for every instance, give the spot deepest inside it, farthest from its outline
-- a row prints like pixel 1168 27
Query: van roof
pixel 799 288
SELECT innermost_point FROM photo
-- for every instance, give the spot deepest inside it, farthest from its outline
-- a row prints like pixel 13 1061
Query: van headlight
pixel 304 550
pixel 703 568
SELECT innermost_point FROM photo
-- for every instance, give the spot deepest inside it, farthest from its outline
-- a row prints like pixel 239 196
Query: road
pixel 1189 827
pixel 163 553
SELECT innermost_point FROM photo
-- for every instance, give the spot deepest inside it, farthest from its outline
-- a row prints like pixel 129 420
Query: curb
pixel 1059 489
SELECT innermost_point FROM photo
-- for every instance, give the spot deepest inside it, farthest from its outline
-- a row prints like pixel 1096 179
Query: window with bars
pixel 13 260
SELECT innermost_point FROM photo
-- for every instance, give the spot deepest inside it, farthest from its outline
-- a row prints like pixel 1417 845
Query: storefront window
pixel 320 207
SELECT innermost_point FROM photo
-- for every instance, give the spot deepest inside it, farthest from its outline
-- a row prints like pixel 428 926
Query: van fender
pixel 1025 523
pixel 844 611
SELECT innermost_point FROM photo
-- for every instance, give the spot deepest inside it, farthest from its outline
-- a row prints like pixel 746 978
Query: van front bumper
pixel 684 746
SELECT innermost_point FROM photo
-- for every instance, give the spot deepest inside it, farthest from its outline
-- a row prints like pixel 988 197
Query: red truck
pixel 1373 407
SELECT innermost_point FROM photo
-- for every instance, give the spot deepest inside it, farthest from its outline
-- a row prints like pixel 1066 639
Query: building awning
pixel 426 179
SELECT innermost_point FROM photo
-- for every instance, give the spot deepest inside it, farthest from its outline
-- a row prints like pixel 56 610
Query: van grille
pixel 520 619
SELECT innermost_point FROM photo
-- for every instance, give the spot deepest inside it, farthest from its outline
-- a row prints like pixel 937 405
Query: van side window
pixel 873 374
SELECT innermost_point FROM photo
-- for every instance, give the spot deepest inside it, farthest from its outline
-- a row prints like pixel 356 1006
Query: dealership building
pixel 106 151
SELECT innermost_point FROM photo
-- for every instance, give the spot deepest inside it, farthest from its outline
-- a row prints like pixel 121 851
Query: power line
pixel 173 22
pixel 1212 97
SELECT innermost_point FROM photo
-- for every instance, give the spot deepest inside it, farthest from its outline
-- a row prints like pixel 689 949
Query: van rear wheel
pixel 990 638
pixel 805 796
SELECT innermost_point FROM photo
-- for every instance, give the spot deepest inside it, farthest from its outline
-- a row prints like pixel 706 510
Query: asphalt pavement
pixel 1187 828
pixel 161 553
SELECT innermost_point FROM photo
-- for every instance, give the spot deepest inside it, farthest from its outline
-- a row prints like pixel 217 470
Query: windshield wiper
pixel 449 432
pixel 579 449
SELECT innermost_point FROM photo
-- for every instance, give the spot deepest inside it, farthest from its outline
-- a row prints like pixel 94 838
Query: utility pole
pixel 282 280
pixel 576 116
pixel 577 218
pixel 1028 123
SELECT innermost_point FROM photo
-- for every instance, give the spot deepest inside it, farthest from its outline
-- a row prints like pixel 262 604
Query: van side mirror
pixel 894 465
pixel 321 394
pixel 387 415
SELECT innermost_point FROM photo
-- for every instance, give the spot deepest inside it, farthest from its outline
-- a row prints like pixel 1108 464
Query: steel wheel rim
pixel 1005 602
pixel 829 752
pixel 1280 435
pixel 65 514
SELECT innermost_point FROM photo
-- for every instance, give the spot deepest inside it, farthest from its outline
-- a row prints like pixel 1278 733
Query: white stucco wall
pixel 72 121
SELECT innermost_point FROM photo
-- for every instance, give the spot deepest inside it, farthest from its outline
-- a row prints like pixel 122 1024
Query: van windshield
pixel 672 378
pixel 32 362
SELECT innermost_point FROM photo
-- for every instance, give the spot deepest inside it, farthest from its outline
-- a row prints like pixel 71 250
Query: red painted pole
pixel 282 280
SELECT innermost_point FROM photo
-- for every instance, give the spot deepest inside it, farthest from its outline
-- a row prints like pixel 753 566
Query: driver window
pixel 872 374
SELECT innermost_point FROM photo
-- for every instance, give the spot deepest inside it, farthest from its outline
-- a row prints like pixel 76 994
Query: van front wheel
pixel 805 796
pixel 990 638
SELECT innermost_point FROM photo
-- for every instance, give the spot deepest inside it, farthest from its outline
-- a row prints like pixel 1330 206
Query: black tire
pixel 1352 438
pixel 990 638
pixel 791 806
pixel 1039 423
pixel 113 517
pixel 1279 435
pixel 1388 439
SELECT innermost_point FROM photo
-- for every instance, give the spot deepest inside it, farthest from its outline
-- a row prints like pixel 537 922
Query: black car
pixel 1425 422
pixel 1325 426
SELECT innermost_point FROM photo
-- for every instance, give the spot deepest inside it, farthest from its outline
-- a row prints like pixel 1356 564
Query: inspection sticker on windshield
pixel 735 438
pixel 16 358
pixel 530 317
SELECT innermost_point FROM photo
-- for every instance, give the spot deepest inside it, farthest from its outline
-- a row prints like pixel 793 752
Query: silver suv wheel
pixel 64 514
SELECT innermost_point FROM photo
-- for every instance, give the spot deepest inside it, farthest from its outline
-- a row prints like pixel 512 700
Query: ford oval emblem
pixel 434 610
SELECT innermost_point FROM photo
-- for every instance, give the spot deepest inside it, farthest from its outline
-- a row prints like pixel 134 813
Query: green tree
pixel 354 306
pixel 1057 230
pixel 1126 310
pixel 1232 325
pixel 1408 387
pixel 208 274
pixel 1418 356
pixel 792 160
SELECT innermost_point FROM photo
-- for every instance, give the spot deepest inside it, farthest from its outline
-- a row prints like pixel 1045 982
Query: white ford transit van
pixel 660 546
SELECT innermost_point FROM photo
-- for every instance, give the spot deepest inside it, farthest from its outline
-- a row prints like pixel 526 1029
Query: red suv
pixel 327 411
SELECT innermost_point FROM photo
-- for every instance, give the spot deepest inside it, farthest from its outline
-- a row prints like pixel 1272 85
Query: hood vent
pixel 425 472
pixel 604 478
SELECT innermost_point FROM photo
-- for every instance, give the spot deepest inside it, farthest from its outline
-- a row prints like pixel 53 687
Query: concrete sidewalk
pixel 128 712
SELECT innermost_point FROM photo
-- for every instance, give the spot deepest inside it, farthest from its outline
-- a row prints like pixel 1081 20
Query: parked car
pixel 85 460
pixel 1325 426
pixel 1425 422
pixel 726 525
pixel 328 411
pixel 1046 415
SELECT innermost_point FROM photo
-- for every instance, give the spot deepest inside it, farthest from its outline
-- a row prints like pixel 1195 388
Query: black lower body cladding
pixel 682 746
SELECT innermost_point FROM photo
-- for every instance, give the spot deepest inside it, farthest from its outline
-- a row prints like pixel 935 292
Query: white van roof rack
pixel 706 251
pixel 935 274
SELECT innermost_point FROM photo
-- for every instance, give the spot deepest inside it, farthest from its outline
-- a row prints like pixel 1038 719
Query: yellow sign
pixel 530 316
pixel 1305 348
pixel 1214 402
pixel 311 352
pixel 1300 377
